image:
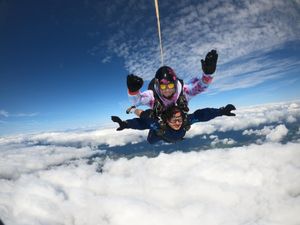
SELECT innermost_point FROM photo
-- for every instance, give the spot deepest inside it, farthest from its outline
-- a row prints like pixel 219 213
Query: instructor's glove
pixel 226 111
pixel 134 83
pixel 210 63
pixel 122 124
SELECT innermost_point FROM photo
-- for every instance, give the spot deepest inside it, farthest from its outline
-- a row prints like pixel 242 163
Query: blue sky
pixel 63 65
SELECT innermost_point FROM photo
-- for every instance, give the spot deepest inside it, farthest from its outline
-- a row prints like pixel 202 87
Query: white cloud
pixel 291 119
pixel 3 113
pixel 55 173
pixel 277 134
pixel 263 132
pixel 177 188
pixel 249 117
pixel 92 138
pixel 7 114
pixel 225 141
pixel 25 114
pixel 213 136
pixel 107 59
pixel 272 134
pixel 244 33
pixel 19 159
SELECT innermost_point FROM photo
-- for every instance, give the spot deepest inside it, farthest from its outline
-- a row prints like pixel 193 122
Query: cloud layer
pixel 247 185
pixel 275 117
pixel 70 177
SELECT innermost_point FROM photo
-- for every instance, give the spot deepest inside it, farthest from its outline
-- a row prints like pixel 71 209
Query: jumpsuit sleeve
pixel 141 98
pixel 137 124
pixel 203 115
pixel 145 121
pixel 196 85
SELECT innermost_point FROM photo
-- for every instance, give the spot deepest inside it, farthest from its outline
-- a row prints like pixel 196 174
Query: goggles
pixel 165 86
pixel 176 119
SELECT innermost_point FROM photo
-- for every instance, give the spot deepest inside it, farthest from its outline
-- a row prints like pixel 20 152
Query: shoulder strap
pixel 158 105
pixel 186 125
pixel 181 101
pixel 181 81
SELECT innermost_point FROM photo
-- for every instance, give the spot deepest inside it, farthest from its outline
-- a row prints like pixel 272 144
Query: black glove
pixel 210 63
pixel 226 111
pixel 122 124
pixel 134 83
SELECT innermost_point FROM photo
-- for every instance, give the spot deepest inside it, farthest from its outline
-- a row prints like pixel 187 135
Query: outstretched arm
pixel 136 97
pixel 135 123
pixel 198 85
pixel 145 121
pixel 206 114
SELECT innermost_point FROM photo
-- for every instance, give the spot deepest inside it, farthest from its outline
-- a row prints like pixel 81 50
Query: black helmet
pixel 165 73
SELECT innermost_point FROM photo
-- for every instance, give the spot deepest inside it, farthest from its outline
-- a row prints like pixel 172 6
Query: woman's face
pixel 176 121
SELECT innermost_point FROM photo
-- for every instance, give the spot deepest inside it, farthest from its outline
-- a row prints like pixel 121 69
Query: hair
pixel 170 111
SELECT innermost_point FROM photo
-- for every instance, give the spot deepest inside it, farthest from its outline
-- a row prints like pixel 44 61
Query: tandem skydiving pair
pixel 168 97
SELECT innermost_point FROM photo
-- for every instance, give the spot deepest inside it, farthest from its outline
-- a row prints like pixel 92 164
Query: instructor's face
pixel 167 89
pixel 168 93
pixel 176 121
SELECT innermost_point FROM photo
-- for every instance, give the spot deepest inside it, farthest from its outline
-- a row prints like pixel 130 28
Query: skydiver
pixel 174 122
pixel 167 89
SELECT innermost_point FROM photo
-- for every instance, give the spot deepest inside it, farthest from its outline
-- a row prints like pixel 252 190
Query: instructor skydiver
pixel 167 89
